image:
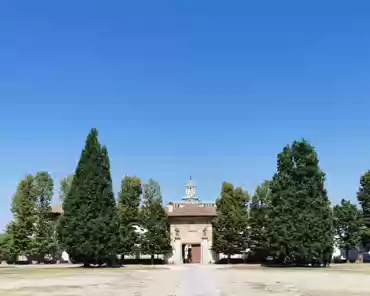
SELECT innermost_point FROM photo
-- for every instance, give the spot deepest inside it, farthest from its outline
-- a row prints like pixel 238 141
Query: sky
pixel 211 89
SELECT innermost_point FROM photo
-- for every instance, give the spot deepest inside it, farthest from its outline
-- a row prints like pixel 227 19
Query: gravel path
pixel 199 280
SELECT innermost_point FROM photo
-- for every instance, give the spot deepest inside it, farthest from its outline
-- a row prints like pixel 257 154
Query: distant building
pixel 191 228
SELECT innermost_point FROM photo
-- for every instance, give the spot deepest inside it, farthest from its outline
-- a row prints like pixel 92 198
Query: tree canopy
pixel 230 226
pixel 6 245
pixel 65 186
pixel 156 239
pixel 44 242
pixel 363 197
pixel 128 209
pixel 348 225
pixel 88 229
pixel 259 220
pixel 300 224
pixel 24 212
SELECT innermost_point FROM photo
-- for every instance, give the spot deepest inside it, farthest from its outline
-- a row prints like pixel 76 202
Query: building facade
pixel 191 228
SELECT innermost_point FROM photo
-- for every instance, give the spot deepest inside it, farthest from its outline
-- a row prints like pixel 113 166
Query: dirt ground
pixel 215 280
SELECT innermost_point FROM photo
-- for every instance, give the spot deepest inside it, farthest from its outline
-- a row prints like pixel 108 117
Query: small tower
pixel 190 192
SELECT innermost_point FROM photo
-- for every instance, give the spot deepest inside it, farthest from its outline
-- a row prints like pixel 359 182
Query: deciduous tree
pixel 363 197
pixel 23 209
pixel 128 211
pixel 156 240
pixel 44 240
pixel 230 226
pixel 348 225
pixel 65 187
pixel 300 226
pixel 5 246
pixel 259 221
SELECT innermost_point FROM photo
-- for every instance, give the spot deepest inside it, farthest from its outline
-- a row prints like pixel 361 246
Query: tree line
pixel 94 227
pixel 289 219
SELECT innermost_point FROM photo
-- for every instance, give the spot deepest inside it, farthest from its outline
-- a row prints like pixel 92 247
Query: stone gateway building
pixel 191 229
pixel 190 225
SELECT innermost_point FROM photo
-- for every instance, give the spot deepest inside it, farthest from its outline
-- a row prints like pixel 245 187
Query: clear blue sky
pixel 212 89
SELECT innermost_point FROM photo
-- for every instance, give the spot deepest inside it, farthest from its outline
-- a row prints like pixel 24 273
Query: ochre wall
pixel 191 229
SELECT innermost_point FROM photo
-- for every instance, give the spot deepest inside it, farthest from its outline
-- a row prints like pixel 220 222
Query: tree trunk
pixel 228 258
pixel 152 259
pixel 86 265
pixel 347 255
pixel 122 259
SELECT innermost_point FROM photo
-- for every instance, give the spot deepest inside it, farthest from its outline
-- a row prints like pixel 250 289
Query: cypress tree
pixel 128 211
pixel 109 240
pixel 318 239
pixel 44 242
pixel 281 228
pixel 230 226
pixel 88 229
pixel 156 240
pixel 300 226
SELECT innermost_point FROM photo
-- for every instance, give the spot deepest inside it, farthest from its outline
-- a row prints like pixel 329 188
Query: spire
pixel 190 183
pixel 190 191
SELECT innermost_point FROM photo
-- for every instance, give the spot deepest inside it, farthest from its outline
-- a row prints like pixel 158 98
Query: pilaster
pixel 205 248
pixel 177 251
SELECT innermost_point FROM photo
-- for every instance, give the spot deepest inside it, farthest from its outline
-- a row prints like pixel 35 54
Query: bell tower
pixel 190 192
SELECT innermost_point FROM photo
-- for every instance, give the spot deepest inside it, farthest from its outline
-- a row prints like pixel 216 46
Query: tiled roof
pixel 183 210
pixel 192 210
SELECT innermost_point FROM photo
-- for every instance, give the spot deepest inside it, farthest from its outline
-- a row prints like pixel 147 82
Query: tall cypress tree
pixel 310 180
pixel 156 240
pixel 109 240
pixel 44 241
pixel 128 211
pixel 230 226
pixel 300 226
pixel 282 211
pixel 363 197
pixel 88 228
